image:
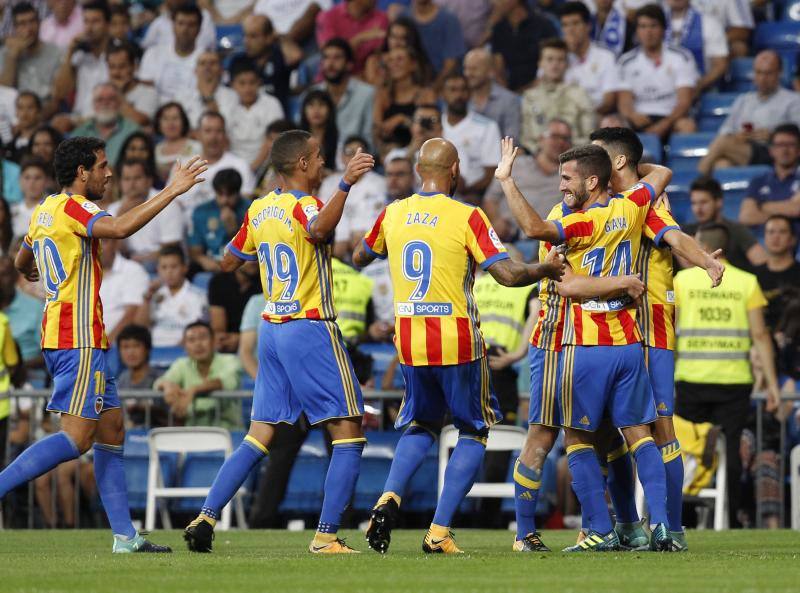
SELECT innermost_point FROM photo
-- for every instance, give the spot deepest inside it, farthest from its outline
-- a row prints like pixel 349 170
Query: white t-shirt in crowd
pixel 192 102
pixel 364 203
pixel 654 84
pixel 247 126
pixel 169 72
pixel 229 8
pixel 730 13
pixel 8 110
pixel 21 218
pixel 123 285
pixel 382 295
pixel 715 43
pixel 171 313
pixel 204 192
pixel 90 71
pixel 167 227
pixel 477 139
pixel 160 32
pixel 144 98
pixel 284 13
pixel 595 73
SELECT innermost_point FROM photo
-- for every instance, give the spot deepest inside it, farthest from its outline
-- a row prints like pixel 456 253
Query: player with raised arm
pixel 63 248
pixel 303 365
pixel 603 368
pixel 433 243
pixel 657 309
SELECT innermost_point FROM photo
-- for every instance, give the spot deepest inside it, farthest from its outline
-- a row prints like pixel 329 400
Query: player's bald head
pixel 437 155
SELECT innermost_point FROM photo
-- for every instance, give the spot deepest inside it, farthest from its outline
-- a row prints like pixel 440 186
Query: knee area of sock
pixel 526 475
pixel 108 448
pixel 481 436
pixel 422 429
pixel 350 445
pixel 575 451
pixel 82 443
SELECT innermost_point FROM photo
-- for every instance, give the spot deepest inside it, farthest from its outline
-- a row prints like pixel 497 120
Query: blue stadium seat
pixel 163 356
pixel 681 180
pixel 230 37
pixel 685 150
pixel 198 470
pixel 739 78
pixel 201 280
pixel 375 464
pixel 714 108
pixel 735 181
pixel 653 150
pixel 782 36
pixel 681 207
pixel 136 454
pixel 382 355
pixel 305 489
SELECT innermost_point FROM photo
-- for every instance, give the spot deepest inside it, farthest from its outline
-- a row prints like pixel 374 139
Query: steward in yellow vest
pixel 352 295
pixel 9 359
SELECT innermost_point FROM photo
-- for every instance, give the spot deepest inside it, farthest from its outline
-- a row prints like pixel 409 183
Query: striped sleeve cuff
pixel 94 219
pixel 371 251
pixel 494 259
pixel 241 254
pixel 660 235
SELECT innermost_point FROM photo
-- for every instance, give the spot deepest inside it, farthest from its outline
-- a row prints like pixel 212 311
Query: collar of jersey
pixel 429 194
pixel 297 194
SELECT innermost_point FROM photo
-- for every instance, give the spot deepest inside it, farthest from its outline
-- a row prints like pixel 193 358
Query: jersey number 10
pixel 50 266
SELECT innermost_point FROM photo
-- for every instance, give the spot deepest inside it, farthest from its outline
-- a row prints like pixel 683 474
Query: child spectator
pixel 134 343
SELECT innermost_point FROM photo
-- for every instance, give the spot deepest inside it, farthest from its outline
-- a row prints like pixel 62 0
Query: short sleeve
pixel 176 373
pixel 482 241
pixel 306 211
pixel 82 214
pixel 687 73
pixel 375 239
pixel 576 229
pixel 657 223
pixel 641 194
pixel 229 371
pixel 756 299
pixel 242 244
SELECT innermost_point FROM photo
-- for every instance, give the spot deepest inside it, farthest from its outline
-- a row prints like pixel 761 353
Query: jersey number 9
pixel 417 267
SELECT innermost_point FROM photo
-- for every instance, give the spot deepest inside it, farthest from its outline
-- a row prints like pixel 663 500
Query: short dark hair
pixel 138 333
pixel 211 113
pixel 98 5
pixel 73 153
pixel 785 219
pixel 356 138
pixel 136 163
pixel 591 160
pixel 707 184
pixel 22 8
pixel 123 47
pixel 119 9
pixel 176 250
pixel 651 11
pixel 33 162
pixel 622 141
pixel 287 148
pixel 553 43
pixel 579 8
pixel 185 125
pixel 715 235
pixel 189 8
pixel 279 126
pixel 227 181
pixel 789 129
pixel 244 67
pixel 30 95
pixel 341 44
pixel 199 323
pixel 456 75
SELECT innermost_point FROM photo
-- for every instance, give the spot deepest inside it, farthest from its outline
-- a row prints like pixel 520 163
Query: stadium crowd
pixel 161 81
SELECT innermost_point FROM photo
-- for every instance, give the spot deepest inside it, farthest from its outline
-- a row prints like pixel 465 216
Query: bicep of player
pixel 482 241
pixel 306 212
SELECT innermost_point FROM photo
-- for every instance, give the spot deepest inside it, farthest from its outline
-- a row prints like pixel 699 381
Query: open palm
pixel 508 152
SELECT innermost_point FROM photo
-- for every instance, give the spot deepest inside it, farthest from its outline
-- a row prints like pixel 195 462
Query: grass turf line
pixel 262 561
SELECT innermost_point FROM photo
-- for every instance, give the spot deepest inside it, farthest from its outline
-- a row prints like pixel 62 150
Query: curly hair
pixel 73 153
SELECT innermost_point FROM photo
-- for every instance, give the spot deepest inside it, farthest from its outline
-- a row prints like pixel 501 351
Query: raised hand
pixel 715 268
pixel 185 176
pixel 358 166
pixel 508 152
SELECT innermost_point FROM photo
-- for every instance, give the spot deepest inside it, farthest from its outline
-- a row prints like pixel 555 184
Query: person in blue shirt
pixel 9 181
pixel 441 37
pixel 216 222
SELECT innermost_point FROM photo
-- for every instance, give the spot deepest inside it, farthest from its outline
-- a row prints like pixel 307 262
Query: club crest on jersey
pixel 310 211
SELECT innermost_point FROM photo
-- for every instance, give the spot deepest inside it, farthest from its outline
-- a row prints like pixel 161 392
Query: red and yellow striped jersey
pixel 604 240
pixel 433 243
pixel 657 310
pixel 549 329
pixel 68 260
pixel 296 273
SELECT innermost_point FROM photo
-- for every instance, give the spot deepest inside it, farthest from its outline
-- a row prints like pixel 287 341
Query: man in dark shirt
pixel 515 43
pixel 743 250
pixel 228 293
pixel 781 271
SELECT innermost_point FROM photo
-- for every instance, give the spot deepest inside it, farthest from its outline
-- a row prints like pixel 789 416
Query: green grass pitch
pixel 267 561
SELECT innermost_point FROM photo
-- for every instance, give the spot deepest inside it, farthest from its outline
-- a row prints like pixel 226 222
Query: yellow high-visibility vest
pixel 503 310
pixel 713 328
pixel 351 294
pixel 8 358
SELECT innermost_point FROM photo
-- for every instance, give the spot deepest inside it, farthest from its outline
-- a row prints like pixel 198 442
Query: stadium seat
pixel 136 466
pixel 306 482
pixel 681 207
pixel 681 181
pixel 198 470
pixel 714 108
pixel 734 182
pixel 782 36
pixel 653 149
pixel 686 150
pixel 382 356
pixel 163 356
pixel 375 464
pixel 230 37
pixel 739 78
pixel 201 280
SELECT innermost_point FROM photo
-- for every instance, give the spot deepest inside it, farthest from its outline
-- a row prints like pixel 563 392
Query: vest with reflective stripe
pixel 503 310
pixel 351 293
pixel 5 376
pixel 713 328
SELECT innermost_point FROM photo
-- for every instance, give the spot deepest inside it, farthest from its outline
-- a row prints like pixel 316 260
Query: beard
pixel 105 117
pixel 459 108
pixel 335 78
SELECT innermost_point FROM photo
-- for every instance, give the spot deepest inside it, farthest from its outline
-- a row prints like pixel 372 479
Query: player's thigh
pixel 423 401
pixel 468 392
pixel 586 382
pixel 345 429
pixel 661 370
pixel 319 369
pixel 631 402
pixel 545 403
pixel 273 399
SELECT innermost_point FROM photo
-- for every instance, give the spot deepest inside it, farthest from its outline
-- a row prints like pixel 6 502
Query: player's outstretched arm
pixel 331 213
pixel 687 248
pixel 512 273
pixel 657 176
pixel 184 177
pixel 577 286
pixel 527 218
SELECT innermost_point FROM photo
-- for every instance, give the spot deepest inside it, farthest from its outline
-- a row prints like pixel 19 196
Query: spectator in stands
pixel 248 334
pixel 26 62
pixel 84 64
pixel 9 173
pixel 538 180
pixel 124 284
pixel 552 98
pixel 781 272
pixel 214 142
pixel 441 37
pixel 171 68
pixel 250 115
pixel 515 42
pixel 318 117
pixel 6 232
pixel 138 101
pixel 702 35
pixel 171 303
pixel 162 31
pixel 474 17
pixel 476 138
pixel 228 294
pixel 426 124
pixel 44 141
pixel 139 147
pixel 228 12
pixel 208 94
pixel 743 135
pixel 352 97
pixel 273 57
pixel 134 344
pixel 120 27
pixel 107 122
pixel 136 187
pixel 172 126
pixel 402 33
pixel 591 66
pixel 29 118
pixel 399 173
pixel 24 313
pixel 777 191
pixel 363 204
pixel 737 19
pixel 610 26
pixel 294 19
pixel 216 222
pixel 33 183
pixel 191 378
pixel 357 21
pixel 488 98
pixel 8 96
pixel 266 177
pixel 656 80
pixel 64 23
pixel 743 249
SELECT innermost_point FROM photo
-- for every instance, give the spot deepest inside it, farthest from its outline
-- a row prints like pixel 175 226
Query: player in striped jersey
pixel 303 366
pixel 433 243
pixel 657 309
pixel 603 368
pixel 62 247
